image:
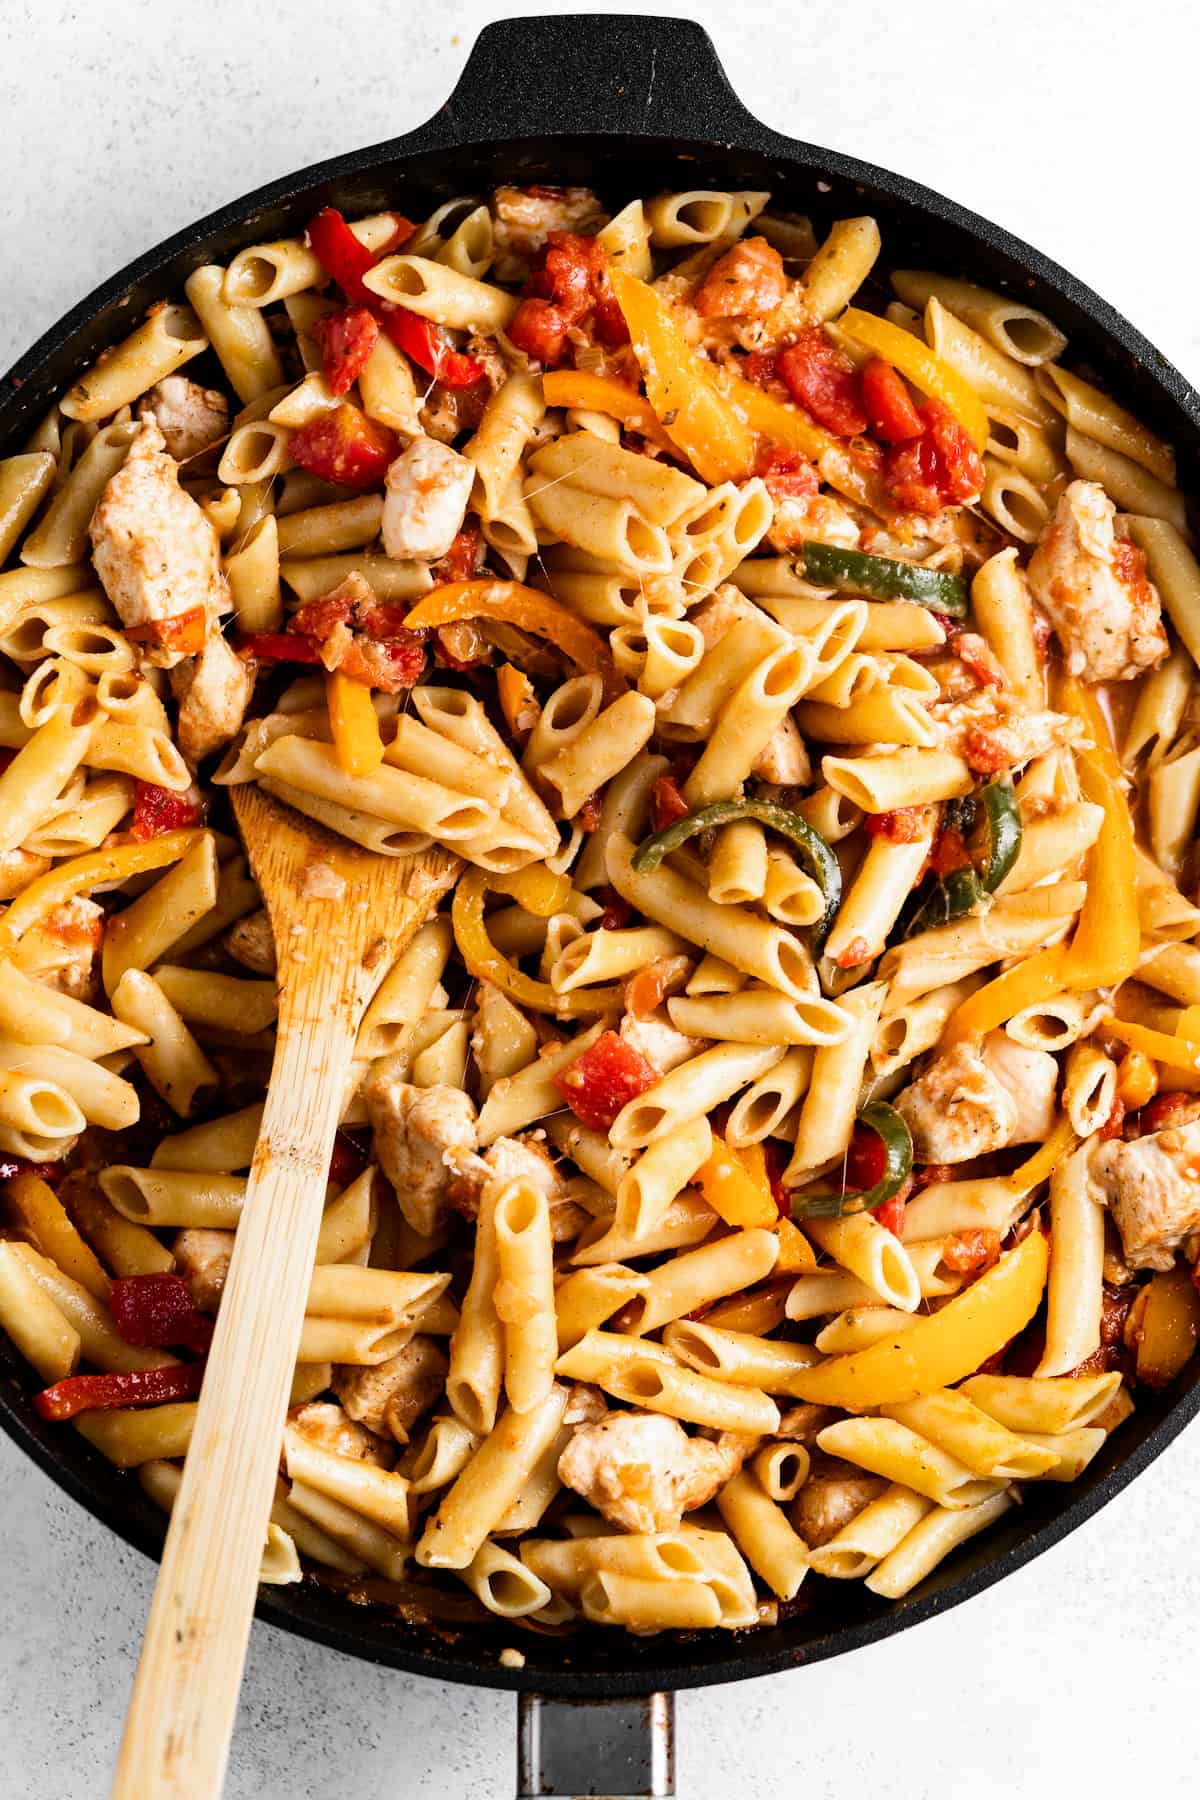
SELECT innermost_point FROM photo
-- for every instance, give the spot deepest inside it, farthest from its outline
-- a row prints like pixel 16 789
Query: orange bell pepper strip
pixel 731 1189
pixel 536 889
pixel 356 740
pixel 516 604
pixel 1037 979
pixel 485 962
pixel 927 371
pixel 604 394
pixel 680 387
pixel 938 1350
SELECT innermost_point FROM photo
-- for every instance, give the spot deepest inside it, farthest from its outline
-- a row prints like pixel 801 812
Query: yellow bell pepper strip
pixel 485 962
pixel 1042 1164
pixel 1137 1078
pixel 939 1350
pixel 356 740
pixel 82 873
pixel 535 888
pixel 605 394
pixel 1159 1046
pixel 732 1190
pixel 1037 979
pixel 534 612
pixel 918 363
pixel 770 417
pixel 1108 937
pixel 695 415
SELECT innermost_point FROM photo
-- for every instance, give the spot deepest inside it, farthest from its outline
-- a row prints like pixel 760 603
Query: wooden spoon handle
pixel 181 1716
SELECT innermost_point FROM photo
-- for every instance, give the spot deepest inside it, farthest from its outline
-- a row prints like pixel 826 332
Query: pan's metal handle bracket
pixel 623 1749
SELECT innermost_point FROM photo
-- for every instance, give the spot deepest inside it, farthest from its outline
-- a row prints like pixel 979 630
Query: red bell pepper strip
pixel 157 809
pixel 346 340
pixel 158 1311
pixel 277 646
pixel 420 340
pixel 604 1079
pixel 100 1393
pixel 345 447
pixel 341 255
pixel 667 804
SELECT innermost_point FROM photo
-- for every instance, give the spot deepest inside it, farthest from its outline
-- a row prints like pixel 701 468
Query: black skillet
pixel 630 106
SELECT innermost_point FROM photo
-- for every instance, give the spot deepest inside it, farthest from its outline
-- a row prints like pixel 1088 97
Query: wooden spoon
pixel 339 916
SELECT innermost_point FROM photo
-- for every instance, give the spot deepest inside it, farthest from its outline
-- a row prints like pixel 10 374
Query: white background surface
pixel 126 120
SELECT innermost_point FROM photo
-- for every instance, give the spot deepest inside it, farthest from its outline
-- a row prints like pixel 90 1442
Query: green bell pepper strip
pixel 990 823
pixel 883 578
pixel 897 1143
pixel 813 851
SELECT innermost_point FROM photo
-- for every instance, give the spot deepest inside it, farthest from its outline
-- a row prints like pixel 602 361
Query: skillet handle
pixel 621 1748
pixel 544 77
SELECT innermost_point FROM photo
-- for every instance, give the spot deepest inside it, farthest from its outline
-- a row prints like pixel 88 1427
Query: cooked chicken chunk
pixel 250 942
pixel 834 1493
pixel 324 1424
pixel 525 217
pixel 202 1257
pixel 655 1038
pixel 73 933
pixel 970 1101
pixel 642 1470
pixel 816 517
pixel 417 1133
pixel 213 690
pixel 190 417
pixel 389 1398
pixel 156 554
pixel 428 488
pixel 784 759
pixel 1152 1187
pixel 1094 590
pixel 747 280
pixel 995 731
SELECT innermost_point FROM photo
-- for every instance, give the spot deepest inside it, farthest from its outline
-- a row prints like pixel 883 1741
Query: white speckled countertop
pixel 127 120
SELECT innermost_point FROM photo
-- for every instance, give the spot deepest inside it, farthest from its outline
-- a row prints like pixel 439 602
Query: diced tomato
pixel 823 380
pixel 100 1393
pixel 570 286
pixel 903 825
pixel 891 1213
pixel 949 852
pixel 277 646
pixel 604 1079
pixel 787 475
pixel 346 340
pixel 890 409
pixel 589 813
pixel 158 1311
pixel 345 447
pixel 761 367
pixel 617 912
pixel 939 468
pixel 970 1252
pixel 666 803
pixel 389 664
pixel 775 1162
pixel 1115 1122
pixel 341 255
pixel 1164 1110
pixel 540 330
pixel 421 340
pixel 462 560
pixel 866 1159
pixel 374 647
pixel 646 991
pixel 857 952
pixel 973 652
pixel 157 809
pixel 402 230
pixel 184 632
pixel 349 1160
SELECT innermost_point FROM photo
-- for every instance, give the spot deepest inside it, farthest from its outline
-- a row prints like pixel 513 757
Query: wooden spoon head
pixel 323 893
